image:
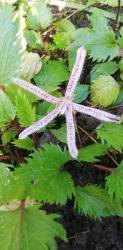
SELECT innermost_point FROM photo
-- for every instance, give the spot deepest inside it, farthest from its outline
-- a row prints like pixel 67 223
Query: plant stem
pixel 107 169
pixel 117 15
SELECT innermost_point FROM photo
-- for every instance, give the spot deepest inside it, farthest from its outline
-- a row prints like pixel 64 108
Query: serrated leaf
pixel 95 202
pixel 89 153
pixel 31 227
pixel 103 68
pixel 33 39
pixel 7 110
pixel 103 46
pixel 114 184
pixel 39 16
pixel 31 65
pixel 10 45
pixel 11 89
pixel 43 177
pixel 112 134
pixel 26 143
pixel 46 78
pixel 104 90
pixel 25 111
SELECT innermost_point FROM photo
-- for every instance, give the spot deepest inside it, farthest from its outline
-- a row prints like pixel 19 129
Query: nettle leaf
pixel 95 202
pixel 11 89
pixel 31 65
pixel 7 110
pixel 112 134
pixel 25 111
pixel 51 75
pixel 43 177
pixel 89 153
pixel 39 16
pixel 103 68
pixel 52 184
pixel 103 46
pixel 32 227
pixel 26 143
pixel 104 90
pixel 114 183
pixel 33 39
pixel 10 45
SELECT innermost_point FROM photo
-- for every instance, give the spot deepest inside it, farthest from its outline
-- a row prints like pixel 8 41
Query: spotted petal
pixel 36 91
pixel 71 141
pixel 76 71
pixel 41 123
pixel 98 114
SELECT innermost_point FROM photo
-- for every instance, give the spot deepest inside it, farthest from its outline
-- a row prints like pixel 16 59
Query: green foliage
pixel 7 110
pixel 39 16
pixel 8 136
pixel 81 93
pixel 26 143
pixel 114 183
pixel 33 39
pixel 27 224
pixel 10 45
pixel 112 134
pixel 46 78
pixel 104 90
pixel 89 153
pixel 103 68
pixel 25 111
pixel 52 183
pixel 94 201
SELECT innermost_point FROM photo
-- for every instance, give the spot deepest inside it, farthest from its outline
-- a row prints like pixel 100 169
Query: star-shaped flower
pixel 65 105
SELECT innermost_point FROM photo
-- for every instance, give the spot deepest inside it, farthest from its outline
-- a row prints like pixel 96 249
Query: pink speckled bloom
pixel 65 105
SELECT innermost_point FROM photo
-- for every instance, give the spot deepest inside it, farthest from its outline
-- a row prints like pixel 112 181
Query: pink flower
pixel 65 105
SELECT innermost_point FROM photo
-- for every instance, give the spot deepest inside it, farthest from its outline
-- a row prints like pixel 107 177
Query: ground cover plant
pixel 61 105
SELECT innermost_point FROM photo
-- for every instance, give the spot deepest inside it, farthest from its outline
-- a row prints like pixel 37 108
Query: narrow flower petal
pixel 36 91
pixel 71 132
pixel 99 114
pixel 41 123
pixel 76 71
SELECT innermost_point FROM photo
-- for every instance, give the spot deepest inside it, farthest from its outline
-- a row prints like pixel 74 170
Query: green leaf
pixel 31 227
pixel 7 110
pixel 25 111
pixel 104 90
pixel 8 136
pixel 46 78
pixel 31 65
pixel 44 177
pixel 11 89
pixel 39 16
pixel 103 68
pixel 81 93
pixel 60 133
pixel 95 202
pixel 5 181
pixel 114 183
pixel 89 153
pixel 33 39
pixel 10 45
pixel 26 143
pixel 112 134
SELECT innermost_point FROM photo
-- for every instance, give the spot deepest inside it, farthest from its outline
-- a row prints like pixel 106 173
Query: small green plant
pixel 50 51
